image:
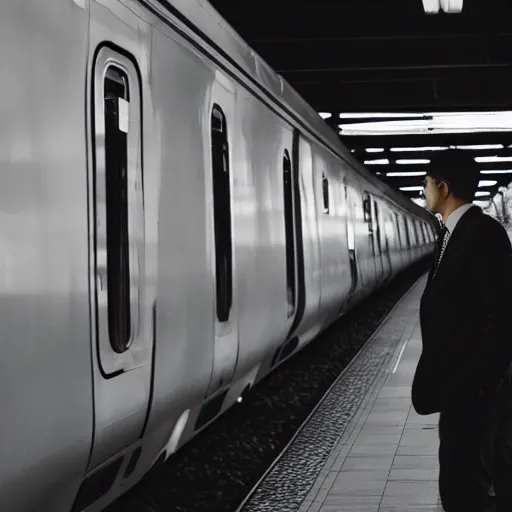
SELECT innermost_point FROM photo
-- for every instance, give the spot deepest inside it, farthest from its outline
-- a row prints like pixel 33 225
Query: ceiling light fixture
pixel 400 174
pixel 411 189
pixel 431 6
pixel 494 159
pixel 451 6
pixel 413 161
pixel 383 161
pixel 448 6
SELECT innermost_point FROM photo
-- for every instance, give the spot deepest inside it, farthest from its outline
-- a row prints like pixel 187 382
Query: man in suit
pixel 466 327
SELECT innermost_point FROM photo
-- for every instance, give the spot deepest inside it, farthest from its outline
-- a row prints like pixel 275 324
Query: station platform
pixel 364 448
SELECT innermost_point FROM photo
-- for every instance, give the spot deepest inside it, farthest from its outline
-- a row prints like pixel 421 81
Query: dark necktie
pixel 442 242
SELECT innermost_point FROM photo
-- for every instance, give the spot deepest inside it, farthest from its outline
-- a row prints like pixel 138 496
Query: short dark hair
pixel 458 169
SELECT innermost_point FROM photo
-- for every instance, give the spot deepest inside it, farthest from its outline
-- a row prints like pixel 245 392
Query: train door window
pixel 117 206
pixel 417 232
pixel 116 100
pixel 222 214
pixel 350 222
pixel 407 233
pixel 325 190
pixel 412 232
pixel 367 208
pixel 398 230
pixel 289 233
pixel 425 235
pixel 377 225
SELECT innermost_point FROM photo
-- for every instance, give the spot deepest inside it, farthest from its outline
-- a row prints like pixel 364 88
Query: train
pixel 177 223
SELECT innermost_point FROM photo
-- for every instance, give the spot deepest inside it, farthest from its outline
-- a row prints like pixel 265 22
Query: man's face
pixel 434 194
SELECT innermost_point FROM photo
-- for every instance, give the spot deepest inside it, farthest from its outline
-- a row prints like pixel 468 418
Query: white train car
pixel 175 222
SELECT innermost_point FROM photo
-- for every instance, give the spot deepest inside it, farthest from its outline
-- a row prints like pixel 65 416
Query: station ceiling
pixel 387 56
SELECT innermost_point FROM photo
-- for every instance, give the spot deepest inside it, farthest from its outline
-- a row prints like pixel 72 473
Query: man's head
pixel 452 180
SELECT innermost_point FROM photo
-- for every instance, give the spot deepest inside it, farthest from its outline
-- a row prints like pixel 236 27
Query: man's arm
pixel 490 269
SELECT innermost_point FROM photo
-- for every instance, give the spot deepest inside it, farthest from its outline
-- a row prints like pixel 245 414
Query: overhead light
pixel 431 6
pixel 325 115
pixel 383 161
pixel 374 150
pixel 411 189
pixel 487 183
pixel 448 6
pixel 475 122
pixel 378 115
pixel 480 146
pixel 400 174
pixel 482 193
pixel 502 171
pixel 413 161
pixel 451 6
pixel 481 159
pixel 424 148
pixel 346 132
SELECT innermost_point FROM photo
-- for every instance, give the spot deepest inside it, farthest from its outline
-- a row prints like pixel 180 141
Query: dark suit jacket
pixel 466 317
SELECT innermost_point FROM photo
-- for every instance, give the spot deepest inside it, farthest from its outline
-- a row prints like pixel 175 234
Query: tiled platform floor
pixel 387 459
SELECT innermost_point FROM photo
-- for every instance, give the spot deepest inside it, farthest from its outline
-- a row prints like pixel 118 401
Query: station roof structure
pixel 390 70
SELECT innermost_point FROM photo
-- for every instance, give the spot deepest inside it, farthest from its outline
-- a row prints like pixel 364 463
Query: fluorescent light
pixel 399 174
pixel 378 115
pixel 450 6
pixel 499 121
pixel 347 132
pixel 431 6
pixel 413 161
pixel 487 183
pixel 411 189
pixel 481 159
pixel 382 161
pixel 482 193
pixel 480 146
pixel 374 150
pixel 508 171
pixel 325 115
pixel 424 148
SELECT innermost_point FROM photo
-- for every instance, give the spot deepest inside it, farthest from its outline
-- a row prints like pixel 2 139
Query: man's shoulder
pixel 485 227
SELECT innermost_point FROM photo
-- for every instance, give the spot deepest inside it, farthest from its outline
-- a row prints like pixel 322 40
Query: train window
pixel 116 204
pixel 425 233
pixel 367 207
pixel 116 96
pixel 398 230
pixel 325 188
pixel 222 213
pixel 419 234
pixel 407 234
pixel 289 233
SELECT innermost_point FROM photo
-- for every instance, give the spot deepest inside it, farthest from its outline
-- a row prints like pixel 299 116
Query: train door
pixel 122 307
pixel 222 130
